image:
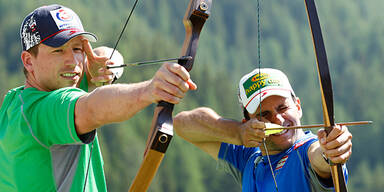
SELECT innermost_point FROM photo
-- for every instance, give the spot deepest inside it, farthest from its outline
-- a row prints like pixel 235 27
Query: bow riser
pixel 158 141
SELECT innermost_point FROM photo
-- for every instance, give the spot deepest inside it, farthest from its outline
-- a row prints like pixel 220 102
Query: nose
pixel 72 58
pixel 277 118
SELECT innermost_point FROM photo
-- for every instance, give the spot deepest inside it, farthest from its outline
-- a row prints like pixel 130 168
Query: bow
pixel 325 87
pixel 161 131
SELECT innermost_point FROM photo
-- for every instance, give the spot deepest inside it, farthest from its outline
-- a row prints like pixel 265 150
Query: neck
pixel 270 150
pixel 32 83
pixel 28 84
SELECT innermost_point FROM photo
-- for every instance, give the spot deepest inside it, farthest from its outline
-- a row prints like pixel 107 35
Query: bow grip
pixel 163 126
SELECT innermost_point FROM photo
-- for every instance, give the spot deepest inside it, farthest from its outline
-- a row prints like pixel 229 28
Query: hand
pixel 337 146
pixel 170 84
pixel 252 133
pixel 117 59
pixel 96 66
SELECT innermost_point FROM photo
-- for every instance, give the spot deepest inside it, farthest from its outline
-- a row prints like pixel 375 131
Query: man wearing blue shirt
pixel 260 160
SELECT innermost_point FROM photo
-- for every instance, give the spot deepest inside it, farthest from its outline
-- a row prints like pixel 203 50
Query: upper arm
pixel 84 116
pixel 204 128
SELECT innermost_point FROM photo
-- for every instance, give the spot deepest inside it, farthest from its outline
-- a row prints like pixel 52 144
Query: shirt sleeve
pixel 237 155
pixel 51 117
pixel 234 158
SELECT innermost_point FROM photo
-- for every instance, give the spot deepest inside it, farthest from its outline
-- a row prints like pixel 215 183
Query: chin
pixel 285 140
pixel 67 85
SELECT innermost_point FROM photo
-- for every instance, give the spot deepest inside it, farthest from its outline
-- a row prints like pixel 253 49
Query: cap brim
pixel 64 36
pixel 255 101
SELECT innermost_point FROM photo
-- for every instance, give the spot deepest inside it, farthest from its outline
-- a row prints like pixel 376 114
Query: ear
pixel 298 106
pixel 26 58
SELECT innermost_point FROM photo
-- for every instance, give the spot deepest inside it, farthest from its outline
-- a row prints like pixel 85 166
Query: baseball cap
pixel 259 84
pixel 52 25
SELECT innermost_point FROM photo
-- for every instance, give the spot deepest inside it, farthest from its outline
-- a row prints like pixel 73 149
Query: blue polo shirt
pixel 291 167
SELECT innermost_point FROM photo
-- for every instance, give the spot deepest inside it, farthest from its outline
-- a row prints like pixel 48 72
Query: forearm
pixel 336 146
pixel 204 125
pixel 108 104
pixel 318 163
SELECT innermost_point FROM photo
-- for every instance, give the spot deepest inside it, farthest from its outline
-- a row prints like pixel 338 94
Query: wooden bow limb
pixel 325 87
pixel 162 124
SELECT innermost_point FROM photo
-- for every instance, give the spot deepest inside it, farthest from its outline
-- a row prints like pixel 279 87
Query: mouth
pixel 285 124
pixel 281 133
pixel 69 75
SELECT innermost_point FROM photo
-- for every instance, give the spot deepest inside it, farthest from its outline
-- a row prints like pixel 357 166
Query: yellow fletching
pixel 274 131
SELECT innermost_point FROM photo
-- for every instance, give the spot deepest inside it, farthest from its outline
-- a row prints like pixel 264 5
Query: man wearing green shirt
pixel 48 140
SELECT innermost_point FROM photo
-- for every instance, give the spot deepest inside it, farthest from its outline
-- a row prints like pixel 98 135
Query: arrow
pixel 150 62
pixel 272 126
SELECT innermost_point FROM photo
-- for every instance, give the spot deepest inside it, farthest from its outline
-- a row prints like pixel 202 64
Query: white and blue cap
pixel 52 25
pixel 259 84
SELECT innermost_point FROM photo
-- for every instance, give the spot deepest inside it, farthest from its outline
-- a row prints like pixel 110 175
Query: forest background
pixel 354 37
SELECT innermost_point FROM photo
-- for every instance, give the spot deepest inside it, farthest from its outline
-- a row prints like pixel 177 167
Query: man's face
pixel 282 111
pixel 59 67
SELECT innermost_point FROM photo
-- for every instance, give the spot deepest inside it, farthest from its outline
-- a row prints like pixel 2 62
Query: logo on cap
pixel 63 15
pixel 66 19
pixel 260 76
pixel 30 36
pixel 259 81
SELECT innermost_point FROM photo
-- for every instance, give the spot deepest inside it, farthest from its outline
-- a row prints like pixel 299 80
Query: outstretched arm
pixel 204 128
pixel 114 103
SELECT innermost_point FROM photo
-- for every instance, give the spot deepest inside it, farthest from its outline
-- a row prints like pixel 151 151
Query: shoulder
pixel 33 99
pixel 306 141
pixel 68 91
pixel 60 95
pixel 10 96
pixel 238 160
pixel 33 93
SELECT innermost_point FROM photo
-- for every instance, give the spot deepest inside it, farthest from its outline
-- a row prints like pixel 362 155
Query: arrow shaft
pixel 321 125
pixel 150 62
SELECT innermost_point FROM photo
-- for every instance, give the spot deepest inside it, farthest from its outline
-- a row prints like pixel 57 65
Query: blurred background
pixel 353 31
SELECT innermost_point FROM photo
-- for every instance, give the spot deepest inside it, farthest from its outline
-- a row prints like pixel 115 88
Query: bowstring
pixel 113 51
pixel 125 26
pixel 259 66
pixel 270 165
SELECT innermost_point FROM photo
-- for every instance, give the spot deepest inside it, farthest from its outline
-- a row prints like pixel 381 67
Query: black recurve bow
pixel 325 87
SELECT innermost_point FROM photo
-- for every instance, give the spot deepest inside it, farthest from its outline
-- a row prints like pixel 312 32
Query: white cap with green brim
pixel 259 84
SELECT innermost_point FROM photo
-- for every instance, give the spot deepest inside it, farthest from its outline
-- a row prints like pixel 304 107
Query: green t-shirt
pixel 39 147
